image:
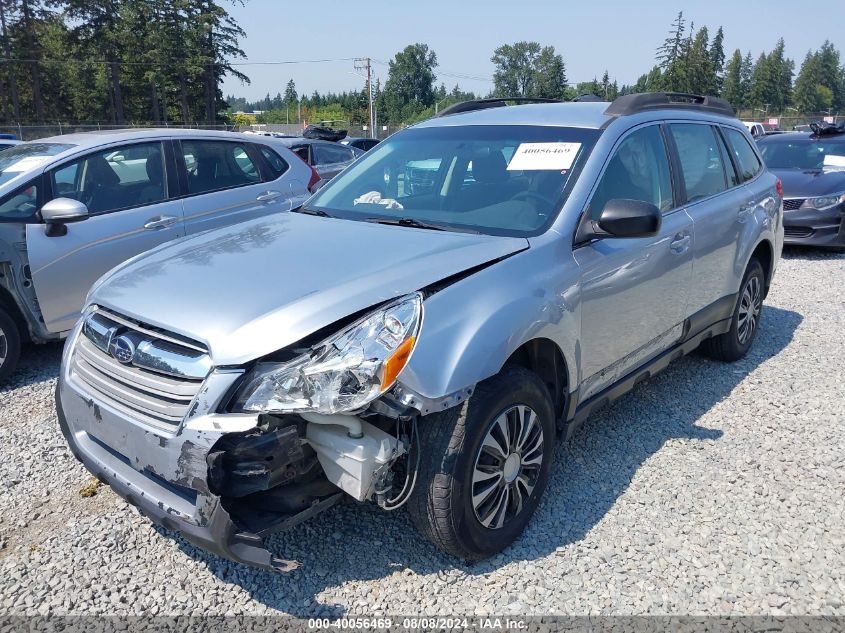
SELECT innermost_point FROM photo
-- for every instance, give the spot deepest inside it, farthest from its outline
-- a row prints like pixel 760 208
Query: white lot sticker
pixel 832 160
pixel 544 156
pixel 25 164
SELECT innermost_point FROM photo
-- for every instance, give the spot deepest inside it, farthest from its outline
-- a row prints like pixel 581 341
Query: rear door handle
pixel 680 243
pixel 160 222
pixel 269 196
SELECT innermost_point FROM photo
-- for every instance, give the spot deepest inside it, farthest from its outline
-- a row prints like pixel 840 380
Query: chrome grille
pixel 156 383
pixel 790 204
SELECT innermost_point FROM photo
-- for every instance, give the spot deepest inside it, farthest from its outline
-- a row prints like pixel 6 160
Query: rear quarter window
pixel 746 158
pixel 276 163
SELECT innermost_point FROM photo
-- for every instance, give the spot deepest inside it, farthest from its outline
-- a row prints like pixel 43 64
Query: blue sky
pixel 619 35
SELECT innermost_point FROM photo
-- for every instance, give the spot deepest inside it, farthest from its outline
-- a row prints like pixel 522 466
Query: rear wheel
pixel 10 345
pixel 735 343
pixel 485 465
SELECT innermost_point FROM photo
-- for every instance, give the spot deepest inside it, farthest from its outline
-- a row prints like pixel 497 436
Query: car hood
pixel 251 289
pixel 800 183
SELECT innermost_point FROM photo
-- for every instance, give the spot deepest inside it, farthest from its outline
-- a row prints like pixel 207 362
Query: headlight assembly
pixel 345 372
pixel 823 202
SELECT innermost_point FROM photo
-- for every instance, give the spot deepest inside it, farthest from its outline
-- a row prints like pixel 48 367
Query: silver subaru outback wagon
pixel 422 330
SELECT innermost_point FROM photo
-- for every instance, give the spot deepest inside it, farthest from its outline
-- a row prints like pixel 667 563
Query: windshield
pixel 22 158
pixel 501 180
pixel 802 153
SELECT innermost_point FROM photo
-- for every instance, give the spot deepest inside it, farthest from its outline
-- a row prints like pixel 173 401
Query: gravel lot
pixel 711 489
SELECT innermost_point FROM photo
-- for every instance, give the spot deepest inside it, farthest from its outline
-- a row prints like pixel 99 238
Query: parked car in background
pixel 364 144
pixel 74 206
pixel 756 129
pixel 812 169
pixel 425 346
pixel 327 157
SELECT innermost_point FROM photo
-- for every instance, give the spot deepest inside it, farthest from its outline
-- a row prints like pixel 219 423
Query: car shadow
pixel 810 252
pixel 38 364
pixel 352 543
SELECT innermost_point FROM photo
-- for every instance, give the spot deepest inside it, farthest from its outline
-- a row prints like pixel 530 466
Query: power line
pixel 82 62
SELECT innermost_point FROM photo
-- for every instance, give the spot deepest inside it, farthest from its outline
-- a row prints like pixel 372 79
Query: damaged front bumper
pixel 164 473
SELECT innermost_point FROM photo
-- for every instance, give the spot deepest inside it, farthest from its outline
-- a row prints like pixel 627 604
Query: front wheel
pixel 485 465
pixel 735 343
pixel 10 345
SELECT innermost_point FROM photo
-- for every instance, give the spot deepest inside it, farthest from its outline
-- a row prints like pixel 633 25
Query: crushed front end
pixel 147 413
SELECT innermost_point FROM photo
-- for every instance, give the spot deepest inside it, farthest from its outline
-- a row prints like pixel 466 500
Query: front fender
pixel 471 327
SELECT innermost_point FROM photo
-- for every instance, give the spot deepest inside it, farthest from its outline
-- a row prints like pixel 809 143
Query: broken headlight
pixel 343 373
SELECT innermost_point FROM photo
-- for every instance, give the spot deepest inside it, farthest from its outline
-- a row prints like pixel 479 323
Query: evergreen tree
pixel 670 55
pixel 717 61
pixel 732 89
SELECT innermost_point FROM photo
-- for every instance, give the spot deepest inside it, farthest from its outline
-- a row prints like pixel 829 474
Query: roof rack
pixel 493 102
pixel 643 101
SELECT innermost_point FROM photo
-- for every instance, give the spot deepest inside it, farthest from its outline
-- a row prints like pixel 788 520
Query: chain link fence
pixel 28 132
pixel 791 122
pixel 32 132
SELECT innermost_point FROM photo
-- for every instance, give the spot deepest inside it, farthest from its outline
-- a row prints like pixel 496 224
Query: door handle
pixel 160 222
pixel 269 196
pixel 680 243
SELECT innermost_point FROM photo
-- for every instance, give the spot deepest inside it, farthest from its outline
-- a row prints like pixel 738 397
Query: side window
pixel 276 163
pixel 638 170
pixel 302 152
pixel 702 165
pixel 21 204
pixel 746 158
pixel 114 179
pixel 733 178
pixel 215 165
pixel 328 154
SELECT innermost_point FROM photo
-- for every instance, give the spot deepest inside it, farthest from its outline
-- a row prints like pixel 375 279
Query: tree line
pixel 116 61
pixel 689 60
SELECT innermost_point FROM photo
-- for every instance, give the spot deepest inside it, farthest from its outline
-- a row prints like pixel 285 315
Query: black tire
pixel 441 506
pixel 732 345
pixel 10 345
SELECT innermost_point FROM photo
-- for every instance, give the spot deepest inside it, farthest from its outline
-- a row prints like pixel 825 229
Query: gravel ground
pixel 711 489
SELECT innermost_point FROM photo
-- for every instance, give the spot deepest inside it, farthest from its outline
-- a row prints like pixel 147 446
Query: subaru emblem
pixel 122 349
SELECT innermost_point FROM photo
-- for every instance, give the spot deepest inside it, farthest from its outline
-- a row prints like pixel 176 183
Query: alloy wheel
pixel 507 466
pixel 750 305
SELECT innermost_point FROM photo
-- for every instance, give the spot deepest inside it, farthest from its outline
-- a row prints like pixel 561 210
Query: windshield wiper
pixel 305 210
pixel 411 222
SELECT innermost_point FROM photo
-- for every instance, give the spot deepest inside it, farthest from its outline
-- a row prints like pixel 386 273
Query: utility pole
pixel 366 64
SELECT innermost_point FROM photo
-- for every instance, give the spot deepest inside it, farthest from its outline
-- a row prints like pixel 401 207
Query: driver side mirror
pixel 61 211
pixel 630 218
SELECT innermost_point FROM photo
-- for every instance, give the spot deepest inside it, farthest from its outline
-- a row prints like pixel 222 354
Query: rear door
pixel 226 182
pixel 132 208
pixel 718 207
pixel 634 291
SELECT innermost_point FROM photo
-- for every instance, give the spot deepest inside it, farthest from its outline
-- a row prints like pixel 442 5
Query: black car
pixel 364 144
pixel 812 170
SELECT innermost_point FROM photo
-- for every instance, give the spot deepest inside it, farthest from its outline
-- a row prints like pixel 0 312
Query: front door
pixel 127 192
pixel 634 291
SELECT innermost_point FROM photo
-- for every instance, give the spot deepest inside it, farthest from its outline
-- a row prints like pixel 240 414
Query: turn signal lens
pixel 396 363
